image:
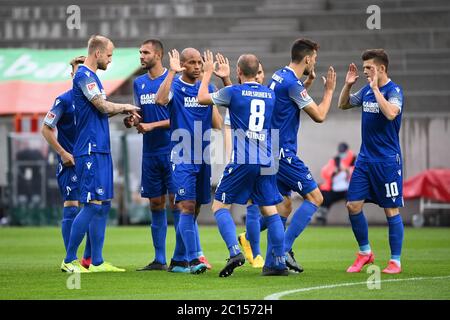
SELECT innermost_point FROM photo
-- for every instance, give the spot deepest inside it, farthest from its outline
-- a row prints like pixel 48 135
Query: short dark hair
pixel 97 42
pixel 157 44
pixel 378 55
pixel 76 61
pixel 249 65
pixel 302 48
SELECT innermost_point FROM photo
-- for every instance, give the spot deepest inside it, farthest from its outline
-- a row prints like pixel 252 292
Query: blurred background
pixel 416 35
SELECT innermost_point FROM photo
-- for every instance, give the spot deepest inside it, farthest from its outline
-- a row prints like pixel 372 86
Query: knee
pixel 157 203
pixel 187 206
pixel 353 207
pixel 216 206
pixel 315 197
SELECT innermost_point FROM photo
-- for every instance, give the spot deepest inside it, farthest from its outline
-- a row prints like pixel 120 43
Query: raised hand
pixel 312 75
pixel 352 74
pixel 223 66
pixel 174 61
pixel 330 81
pixel 208 62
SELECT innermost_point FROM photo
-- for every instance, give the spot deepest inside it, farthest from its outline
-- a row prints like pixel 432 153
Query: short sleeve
pixel 137 101
pixel 88 85
pixel 222 97
pixel 395 96
pixel 55 113
pixel 299 95
pixel 356 99
pixel 226 120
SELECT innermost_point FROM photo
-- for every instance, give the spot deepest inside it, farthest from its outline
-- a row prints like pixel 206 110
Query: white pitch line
pixel 277 296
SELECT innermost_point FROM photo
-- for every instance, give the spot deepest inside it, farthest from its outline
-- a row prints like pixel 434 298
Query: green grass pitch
pixel 30 260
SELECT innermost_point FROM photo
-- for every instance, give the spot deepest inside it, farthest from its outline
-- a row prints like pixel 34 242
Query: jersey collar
pixel 188 84
pixel 293 72
pixel 164 72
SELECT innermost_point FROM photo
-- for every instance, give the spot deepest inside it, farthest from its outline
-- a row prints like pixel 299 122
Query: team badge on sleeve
pixel 91 87
pixel 50 117
pixel 304 94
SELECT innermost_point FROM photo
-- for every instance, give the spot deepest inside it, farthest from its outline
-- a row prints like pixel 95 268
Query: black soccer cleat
pixel 197 267
pixel 232 263
pixel 267 271
pixel 154 266
pixel 291 263
pixel 178 266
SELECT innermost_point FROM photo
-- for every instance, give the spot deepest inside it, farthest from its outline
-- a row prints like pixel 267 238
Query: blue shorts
pixel 377 182
pixel 241 182
pixel 156 177
pixel 95 173
pixel 192 182
pixel 294 175
pixel 67 182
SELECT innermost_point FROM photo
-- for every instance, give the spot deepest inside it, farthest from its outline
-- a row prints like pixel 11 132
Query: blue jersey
pixel 194 120
pixel 251 106
pixel 155 142
pixel 380 136
pixel 291 97
pixel 61 116
pixel 92 125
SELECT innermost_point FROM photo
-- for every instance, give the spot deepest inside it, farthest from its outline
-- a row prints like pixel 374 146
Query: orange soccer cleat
pixel 392 268
pixel 360 262
pixel 205 261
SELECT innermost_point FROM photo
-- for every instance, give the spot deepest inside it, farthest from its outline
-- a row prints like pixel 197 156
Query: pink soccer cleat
pixel 392 268
pixel 360 262
pixel 205 261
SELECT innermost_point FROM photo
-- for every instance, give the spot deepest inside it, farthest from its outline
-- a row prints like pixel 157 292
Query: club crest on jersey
pixel 181 191
pixel 309 176
pixel 74 178
pixel 100 191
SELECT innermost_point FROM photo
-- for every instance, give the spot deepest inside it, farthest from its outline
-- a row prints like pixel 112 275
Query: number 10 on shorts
pixel 391 189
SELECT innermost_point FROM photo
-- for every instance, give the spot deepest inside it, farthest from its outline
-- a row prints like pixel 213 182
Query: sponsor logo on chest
pixel 148 98
pixel 192 102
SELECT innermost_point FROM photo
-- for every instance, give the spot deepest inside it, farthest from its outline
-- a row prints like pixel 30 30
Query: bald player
pixel 92 153
pixel 190 124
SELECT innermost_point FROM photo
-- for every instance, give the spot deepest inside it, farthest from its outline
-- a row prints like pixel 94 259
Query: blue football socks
pixel 227 230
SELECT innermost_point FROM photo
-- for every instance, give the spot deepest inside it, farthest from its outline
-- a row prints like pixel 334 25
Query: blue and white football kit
pixel 251 106
pixel 156 169
pixel 92 152
pixel 93 165
pixel 377 176
pixel 250 117
pixel 61 116
pixel 292 174
pixel 291 96
pixel 190 124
